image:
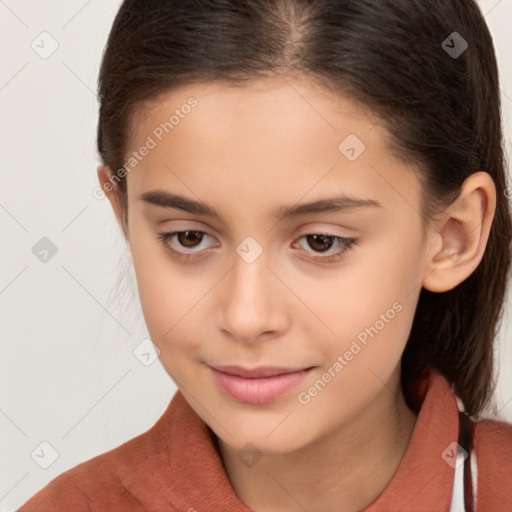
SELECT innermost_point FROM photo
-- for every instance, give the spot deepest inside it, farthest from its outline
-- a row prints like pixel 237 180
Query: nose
pixel 253 305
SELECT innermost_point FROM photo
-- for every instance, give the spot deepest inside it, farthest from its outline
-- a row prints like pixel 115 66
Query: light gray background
pixel 68 375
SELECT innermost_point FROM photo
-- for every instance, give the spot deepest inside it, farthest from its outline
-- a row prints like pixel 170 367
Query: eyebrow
pixel 330 204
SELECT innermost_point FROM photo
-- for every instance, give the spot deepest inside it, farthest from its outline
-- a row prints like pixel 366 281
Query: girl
pixel 313 194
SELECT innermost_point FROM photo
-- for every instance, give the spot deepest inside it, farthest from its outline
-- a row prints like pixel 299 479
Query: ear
pixel 104 175
pixel 459 236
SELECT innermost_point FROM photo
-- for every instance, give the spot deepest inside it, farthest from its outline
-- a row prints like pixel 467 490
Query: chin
pixel 266 439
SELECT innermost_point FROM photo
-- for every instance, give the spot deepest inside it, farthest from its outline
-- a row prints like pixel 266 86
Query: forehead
pixel 264 139
pixel 267 104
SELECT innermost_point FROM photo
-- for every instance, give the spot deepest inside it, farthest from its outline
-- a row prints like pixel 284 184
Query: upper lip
pixel 267 371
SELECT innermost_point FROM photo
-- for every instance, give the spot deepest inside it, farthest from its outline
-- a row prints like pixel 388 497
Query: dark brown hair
pixel 442 112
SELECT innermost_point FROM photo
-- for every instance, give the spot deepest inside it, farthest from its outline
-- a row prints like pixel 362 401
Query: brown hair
pixel 442 112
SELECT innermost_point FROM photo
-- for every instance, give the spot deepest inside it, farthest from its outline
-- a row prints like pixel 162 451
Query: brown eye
pixel 189 238
pixel 185 245
pixel 320 242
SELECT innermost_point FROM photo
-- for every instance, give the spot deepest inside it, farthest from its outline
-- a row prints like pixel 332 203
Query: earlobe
pixel 461 234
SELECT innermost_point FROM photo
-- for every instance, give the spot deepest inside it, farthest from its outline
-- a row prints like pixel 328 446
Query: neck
pixel 345 470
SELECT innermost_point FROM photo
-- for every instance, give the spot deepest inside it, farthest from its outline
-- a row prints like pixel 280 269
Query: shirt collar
pixel 191 475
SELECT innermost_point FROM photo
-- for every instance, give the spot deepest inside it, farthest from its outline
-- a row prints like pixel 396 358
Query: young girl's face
pixel 259 289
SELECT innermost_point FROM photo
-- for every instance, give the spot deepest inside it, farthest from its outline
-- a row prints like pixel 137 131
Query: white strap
pixel 474 473
pixel 457 503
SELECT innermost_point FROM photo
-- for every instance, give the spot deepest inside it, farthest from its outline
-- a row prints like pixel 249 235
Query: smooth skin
pixel 245 151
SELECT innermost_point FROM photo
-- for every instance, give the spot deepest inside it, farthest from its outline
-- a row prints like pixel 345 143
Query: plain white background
pixel 69 326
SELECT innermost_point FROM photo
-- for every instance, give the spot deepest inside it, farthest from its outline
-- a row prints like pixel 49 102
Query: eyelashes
pixel 188 237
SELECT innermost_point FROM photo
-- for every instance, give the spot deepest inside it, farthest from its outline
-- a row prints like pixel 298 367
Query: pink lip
pixel 256 386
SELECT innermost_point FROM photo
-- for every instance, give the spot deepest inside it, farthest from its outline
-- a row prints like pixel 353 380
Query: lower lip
pixel 257 391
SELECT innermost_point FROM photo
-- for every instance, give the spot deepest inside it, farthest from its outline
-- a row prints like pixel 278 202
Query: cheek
pixel 369 304
pixel 171 306
pixel 166 291
pixel 169 299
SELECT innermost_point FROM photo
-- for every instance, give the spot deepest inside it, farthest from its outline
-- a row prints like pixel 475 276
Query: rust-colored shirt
pixel 175 466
